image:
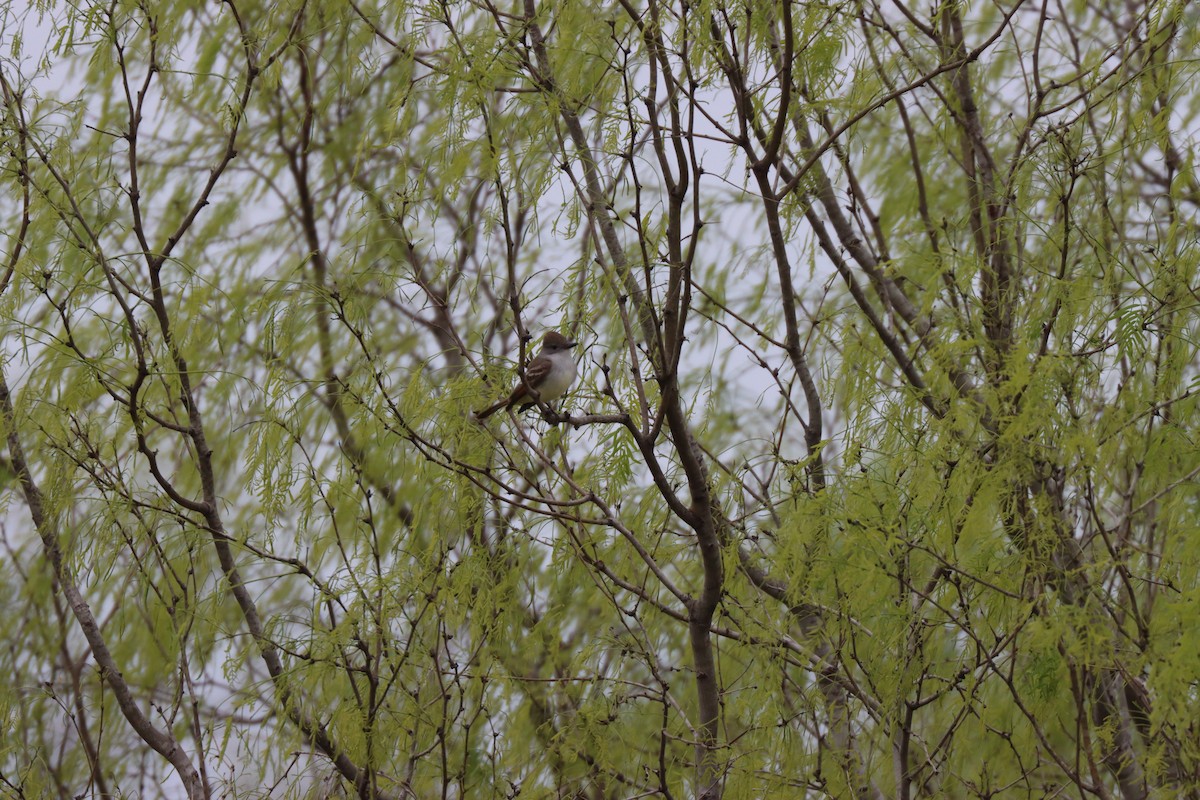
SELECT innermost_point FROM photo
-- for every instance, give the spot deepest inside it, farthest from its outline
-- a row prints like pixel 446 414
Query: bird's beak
pixel 571 344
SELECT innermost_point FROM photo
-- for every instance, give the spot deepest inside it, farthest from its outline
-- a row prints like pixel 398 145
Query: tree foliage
pixel 880 479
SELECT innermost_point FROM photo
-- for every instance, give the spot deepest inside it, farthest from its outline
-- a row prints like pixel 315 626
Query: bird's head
pixel 555 341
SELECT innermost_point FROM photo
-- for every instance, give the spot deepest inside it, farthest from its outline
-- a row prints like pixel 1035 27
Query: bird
pixel 547 377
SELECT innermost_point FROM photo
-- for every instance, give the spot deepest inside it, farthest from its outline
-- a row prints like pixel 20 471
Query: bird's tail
pixel 492 409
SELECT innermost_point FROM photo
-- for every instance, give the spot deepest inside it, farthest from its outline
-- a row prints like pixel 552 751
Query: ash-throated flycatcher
pixel 547 377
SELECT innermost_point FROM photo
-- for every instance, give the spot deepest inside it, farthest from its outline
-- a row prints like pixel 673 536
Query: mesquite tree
pixel 879 480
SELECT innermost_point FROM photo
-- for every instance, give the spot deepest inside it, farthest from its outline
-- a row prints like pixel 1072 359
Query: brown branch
pixel 161 741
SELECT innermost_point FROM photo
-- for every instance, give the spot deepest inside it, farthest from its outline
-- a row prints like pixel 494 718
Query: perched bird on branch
pixel 547 377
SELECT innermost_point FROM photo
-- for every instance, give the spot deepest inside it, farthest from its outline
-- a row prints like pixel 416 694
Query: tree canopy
pixel 879 479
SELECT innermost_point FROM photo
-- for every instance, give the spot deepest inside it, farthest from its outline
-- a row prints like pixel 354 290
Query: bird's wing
pixel 536 372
